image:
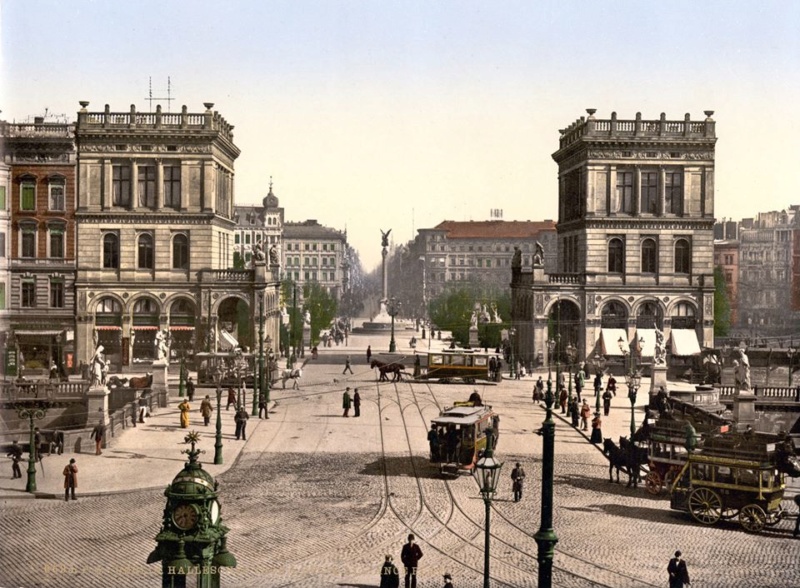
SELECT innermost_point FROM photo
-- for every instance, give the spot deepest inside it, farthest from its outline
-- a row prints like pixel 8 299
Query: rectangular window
pixel 56 243
pixel 28 243
pixel 147 186
pixel 625 191
pixel 57 196
pixel 121 185
pixel 56 294
pixel 27 197
pixel 674 192
pixel 2 244
pixel 28 294
pixel 2 197
pixel 2 296
pixel 172 186
pixel 650 192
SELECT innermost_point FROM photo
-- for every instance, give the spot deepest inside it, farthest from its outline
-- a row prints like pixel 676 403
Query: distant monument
pixel 383 320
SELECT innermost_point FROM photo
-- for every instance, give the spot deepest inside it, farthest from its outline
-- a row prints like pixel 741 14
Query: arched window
pixel 683 257
pixel 614 315
pixel 683 317
pixel 649 257
pixel 649 316
pixel 616 256
pixel 180 252
pixel 110 251
pixel 145 251
pixel 108 306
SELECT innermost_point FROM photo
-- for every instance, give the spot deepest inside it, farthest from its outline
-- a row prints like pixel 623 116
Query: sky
pixel 387 114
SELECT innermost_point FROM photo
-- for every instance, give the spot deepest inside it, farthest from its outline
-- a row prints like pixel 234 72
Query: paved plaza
pixel 316 500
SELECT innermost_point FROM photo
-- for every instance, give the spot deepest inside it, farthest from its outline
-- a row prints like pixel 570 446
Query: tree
pixel 321 306
pixel 238 261
pixel 722 305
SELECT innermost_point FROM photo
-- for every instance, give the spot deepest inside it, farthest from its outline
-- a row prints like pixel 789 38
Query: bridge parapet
pixel 775 394
pixel 45 390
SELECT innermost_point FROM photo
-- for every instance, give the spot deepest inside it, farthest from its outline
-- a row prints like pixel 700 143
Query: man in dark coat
pixel 97 436
pixel 606 401
pixel 190 388
pixel 410 556
pixel 15 453
pixel 346 402
pixel 518 478
pixel 70 479
pixel 433 441
pixel 356 403
pixel 231 398
pixel 390 577
pixel 678 573
pixel 369 353
pixel 452 443
pixel 241 423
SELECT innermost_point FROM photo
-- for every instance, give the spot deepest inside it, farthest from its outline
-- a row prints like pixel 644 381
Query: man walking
pixel 518 477
pixel 70 480
pixel 347 366
pixel 369 353
pixel 231 399
pixel 346 402
pixel 606 401
pixel 190 389
pixel 580 378
pixel 15 453
pixel 206 409
pixel 410 556
pixel 678 572
pixel 586 412
pixel 97 434
pixel 357 403
pixel 241 423
pixel 262 405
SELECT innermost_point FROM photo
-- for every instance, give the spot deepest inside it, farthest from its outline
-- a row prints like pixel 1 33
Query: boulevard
pixel 313 499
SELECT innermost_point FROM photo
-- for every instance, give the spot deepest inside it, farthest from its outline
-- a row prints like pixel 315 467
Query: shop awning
pixel 649 343
pixel 144 328
pixel 684 342
pixel 108 328
pixel 45 333
pixel 180 328
pixel 226 340
pixel 609 342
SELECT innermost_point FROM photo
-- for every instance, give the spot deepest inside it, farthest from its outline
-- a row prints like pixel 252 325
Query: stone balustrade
pixel 45 390
pixel 226 275
pixel 764 393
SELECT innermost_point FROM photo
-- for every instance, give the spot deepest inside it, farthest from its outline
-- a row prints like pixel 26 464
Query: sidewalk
pixel 148 456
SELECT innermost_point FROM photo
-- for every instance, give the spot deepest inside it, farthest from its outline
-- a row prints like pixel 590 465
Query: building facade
pixel 258 224
pixel 726 258
pixel 315 253
pixel 39 273
pixel 155 238
pixel 635 243
pixel 5 266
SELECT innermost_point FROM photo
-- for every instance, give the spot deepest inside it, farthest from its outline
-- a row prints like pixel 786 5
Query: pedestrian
pixel 57 442
pixel 369 353
pixel 142 407
pixel 37 443
pixel 347 366
pixel 575 415
pixel 586 412
pixel 538 390
pixel 240 418
pixel 433 442
pixel 262 405
pixel 597 433
pixel 492 369
pixel 70 479
pixel 390 576
pixel 598 383
pixel 184 408
pixel 15 453
pixel 517 477
pixel 453 443
pixel 448 581
pixel 356 403
pixel 517 370
pixel 606 402
pixel 580 378
pixel 206 409
pixel 346 402
pixel 190 389
pixel 797 518
pixel 611 385
pixel 562 400
pixel 97 435
pixel 678 572
pixel 231 398
pixel 410 556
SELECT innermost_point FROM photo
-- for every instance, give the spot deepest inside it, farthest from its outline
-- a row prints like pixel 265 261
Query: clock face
pixel 214 512
pixel 185 516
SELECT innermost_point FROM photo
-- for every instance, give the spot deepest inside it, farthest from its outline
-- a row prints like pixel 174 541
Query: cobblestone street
pixel 316 500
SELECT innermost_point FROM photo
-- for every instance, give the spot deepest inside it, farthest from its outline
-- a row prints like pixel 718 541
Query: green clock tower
pixel 192 540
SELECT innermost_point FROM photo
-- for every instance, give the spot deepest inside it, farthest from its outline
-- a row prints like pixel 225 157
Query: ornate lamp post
pixel 33 412
pixel 546 537
pixel 599 363
pixel 511 334
pixel 633 379
pixel 218 373
pixel 393 308
pixel 551 347
pixel 266 378
pixel 572 354
pixel 790 352
pixel 487 471
pixel 182 376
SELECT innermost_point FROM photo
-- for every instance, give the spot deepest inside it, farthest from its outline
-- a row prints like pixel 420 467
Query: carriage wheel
pixel 705 506
pixel 652 482
pixel 752 517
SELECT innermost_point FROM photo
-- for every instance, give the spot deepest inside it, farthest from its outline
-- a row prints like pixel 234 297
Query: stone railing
pixel 566 278
pixel 226 275
pixel 45 390
pixel 34 130
pixel 613 127
pixel 764 393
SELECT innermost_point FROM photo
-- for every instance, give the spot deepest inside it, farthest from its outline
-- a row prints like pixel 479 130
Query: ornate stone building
pixel 315 253
pixel 39 178
pixel 155 238
pixel 258 224
pixel 635 242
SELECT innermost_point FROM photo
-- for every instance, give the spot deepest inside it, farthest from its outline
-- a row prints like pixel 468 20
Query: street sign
pixel 11 362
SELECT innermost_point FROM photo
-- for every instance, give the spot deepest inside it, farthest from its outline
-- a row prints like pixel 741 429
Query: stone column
pixel 97 405
pixel 160 380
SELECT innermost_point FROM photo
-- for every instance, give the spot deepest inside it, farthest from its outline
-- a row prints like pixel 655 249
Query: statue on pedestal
pixel 743 372
pixel 385 237
pixel 538 256
pixel 660 351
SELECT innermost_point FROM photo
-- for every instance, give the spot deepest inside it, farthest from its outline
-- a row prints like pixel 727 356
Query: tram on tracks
pixel 226 363
pixel 449 365
pixel 458 436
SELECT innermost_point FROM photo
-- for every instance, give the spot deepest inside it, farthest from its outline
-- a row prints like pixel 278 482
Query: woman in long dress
pixel 184 408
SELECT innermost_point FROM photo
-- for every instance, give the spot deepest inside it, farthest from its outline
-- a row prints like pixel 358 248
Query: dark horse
pixel 619 459
pixel 116 382
pixel 637 457
pixel 396 369
pixel 141 382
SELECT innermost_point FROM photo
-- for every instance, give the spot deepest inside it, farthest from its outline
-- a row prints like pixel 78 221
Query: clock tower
pixel 192 540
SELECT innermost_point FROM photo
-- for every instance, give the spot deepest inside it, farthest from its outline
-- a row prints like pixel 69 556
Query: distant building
pixel 635 243
pixel 38 189
pixel 5 253
pixel 315 253
pixel 726 257
pixel 258 224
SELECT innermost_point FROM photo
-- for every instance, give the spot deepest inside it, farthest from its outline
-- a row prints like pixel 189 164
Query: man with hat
pixel 346 402
pixel 448 581
pixel 70 479
pixel 410 556
pixel 390 577
pixel 518 478
pixel 15 453
pixel 678 573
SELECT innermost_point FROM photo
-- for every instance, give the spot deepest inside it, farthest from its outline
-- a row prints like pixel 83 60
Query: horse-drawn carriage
pixel 735 475
pixel 460 436
pixel 454 364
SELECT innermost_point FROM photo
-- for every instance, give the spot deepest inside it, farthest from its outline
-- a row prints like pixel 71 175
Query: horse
pixel 293 374
pixel 393 368
pixel 141 382
pixel 116 382
pixel 637 457
pixel 617 459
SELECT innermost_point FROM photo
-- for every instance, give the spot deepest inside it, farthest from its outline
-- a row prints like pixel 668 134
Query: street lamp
pixel 265 382
pixel 790 352
pixel 393 308
pixel 487 471
pixel 572 354
pixel 217 375
pixel 551 347
pixel 511 334
pixel 182 376
pixel 633 379
pixel 546 537
pixel 34 412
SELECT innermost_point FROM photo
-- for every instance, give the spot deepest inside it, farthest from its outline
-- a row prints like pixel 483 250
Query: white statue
pixel 743 371
pixel 307 318
pixel 98 365
pixel 660 352
pixel 495 315
pixel 162 344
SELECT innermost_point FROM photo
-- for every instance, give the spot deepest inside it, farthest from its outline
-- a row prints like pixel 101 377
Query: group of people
pixel 240 417
pixel 409 556
pixel 444 443
pixel 348 402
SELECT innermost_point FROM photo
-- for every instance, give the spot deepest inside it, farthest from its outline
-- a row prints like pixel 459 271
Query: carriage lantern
pixel 488 474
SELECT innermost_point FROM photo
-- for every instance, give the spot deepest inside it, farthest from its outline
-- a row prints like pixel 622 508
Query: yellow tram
pixel 453 364
pixel 460 436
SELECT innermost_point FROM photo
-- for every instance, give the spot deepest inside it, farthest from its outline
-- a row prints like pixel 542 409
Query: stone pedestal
pixel 474 341
pixel 744 410
pixel 160 381
pixel 306 336
pixel 657 380
pixel 97 405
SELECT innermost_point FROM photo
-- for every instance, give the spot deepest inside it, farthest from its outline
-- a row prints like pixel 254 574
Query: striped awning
pixel 43 333
pixel 180 328
pixel 144 328
pixel 609 342
pixel 108 328
pixel 684 342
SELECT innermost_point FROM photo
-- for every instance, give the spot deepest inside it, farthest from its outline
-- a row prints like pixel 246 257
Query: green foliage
pixel 722 305
pixel 452 311
pixel 292 335
pixel 238 261
pixel 322 307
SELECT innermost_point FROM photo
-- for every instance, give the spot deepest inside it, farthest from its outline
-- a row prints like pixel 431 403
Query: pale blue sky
pixel 402 114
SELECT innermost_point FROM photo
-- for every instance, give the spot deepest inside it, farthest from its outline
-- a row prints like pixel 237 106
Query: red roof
pixel 496 229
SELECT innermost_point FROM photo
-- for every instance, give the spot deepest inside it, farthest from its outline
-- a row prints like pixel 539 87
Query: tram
pixel 453 364
pixel 226 363
pixel 461 436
